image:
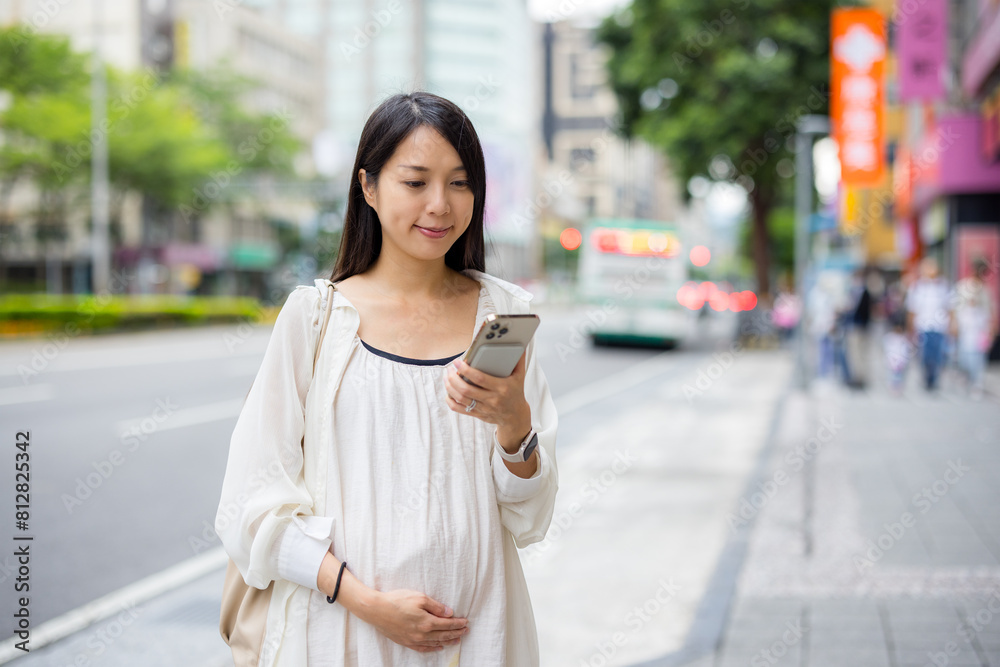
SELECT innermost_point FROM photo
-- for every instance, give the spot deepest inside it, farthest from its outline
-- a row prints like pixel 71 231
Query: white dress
pixel 419 506
pixel 360 455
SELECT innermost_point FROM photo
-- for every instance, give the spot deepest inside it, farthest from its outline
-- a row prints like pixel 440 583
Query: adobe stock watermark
pixel 131 439
pixel 722 361
pixel 230 511
pixel 696 44
pixel 590 492
pixel 247 150
pixel 627 286
pixel 486 86
pixel 562 11
pixel 635 620
pixel 43 356
pixel 243 331
pixel 927 158
pixel 924 500
pixel 45 11
pixel 748 508
pixel 80 152
pixel 101 639
pixel 223 7
pixel 779 649
pixel 967 630
pixel 365 34
pixel 553 187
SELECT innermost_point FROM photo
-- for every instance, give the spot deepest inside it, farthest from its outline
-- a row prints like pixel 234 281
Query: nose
pixel 437 203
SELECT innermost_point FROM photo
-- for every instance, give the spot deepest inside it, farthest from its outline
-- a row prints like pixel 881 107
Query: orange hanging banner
pixel 857 59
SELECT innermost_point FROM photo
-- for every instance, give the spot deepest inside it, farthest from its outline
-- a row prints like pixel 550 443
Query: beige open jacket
pixel 271 480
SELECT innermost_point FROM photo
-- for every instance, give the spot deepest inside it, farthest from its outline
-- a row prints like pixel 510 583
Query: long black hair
pixel 394 120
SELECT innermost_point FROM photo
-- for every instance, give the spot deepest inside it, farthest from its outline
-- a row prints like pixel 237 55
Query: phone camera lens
pixel 495 327
pixel 503 331
pixel 490 335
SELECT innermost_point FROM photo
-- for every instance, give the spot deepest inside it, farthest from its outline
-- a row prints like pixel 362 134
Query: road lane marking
pixel 202 414
pixel 28 394
pixel 122 358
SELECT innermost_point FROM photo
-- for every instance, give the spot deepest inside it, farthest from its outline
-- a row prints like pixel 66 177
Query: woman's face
pixel 424 186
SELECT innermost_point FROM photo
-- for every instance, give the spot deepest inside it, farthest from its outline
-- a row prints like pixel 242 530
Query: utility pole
pixel 101 260
pixel 808 128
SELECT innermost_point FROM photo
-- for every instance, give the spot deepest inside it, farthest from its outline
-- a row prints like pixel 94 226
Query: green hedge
pixel 32 313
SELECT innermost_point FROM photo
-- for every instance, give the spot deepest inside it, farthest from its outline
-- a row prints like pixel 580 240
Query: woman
pixel 398 474
pixel 974 325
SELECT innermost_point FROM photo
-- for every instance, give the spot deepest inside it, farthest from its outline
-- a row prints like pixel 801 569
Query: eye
pixel 461 184
pixel 414 184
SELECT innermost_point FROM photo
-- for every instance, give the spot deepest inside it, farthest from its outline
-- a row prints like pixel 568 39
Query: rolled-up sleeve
pixel 299 552
pixel 526 505
pixel 265 519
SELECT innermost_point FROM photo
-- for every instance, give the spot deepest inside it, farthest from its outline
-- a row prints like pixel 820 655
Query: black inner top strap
pixel 409 360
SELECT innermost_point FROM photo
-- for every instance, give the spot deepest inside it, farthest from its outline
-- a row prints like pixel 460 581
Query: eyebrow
pixel 419 168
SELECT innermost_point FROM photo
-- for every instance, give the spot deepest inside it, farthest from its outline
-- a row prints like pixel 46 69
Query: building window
pixel 580 158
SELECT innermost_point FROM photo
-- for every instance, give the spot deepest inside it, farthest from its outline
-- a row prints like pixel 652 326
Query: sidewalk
pixel 876 536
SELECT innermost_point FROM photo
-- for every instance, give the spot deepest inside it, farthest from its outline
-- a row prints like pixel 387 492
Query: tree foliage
pixel 167 136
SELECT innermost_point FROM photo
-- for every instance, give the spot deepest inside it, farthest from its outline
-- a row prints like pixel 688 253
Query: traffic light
pixel 157 21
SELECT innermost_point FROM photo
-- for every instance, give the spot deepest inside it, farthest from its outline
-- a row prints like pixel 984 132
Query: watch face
pixel 531 447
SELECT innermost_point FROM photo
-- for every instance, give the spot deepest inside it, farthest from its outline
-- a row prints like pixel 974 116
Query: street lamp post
pixel 808 127
pixel 101 260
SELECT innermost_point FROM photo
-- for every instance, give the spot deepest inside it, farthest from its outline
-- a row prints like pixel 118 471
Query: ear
pixel 366 188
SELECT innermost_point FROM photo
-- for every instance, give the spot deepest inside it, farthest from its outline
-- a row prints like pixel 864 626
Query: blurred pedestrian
pixel 424 474
pixel 856 325
pixel 787 310
pixel 822 322
pixel 897 350
pixel 974 325
pixel 927 303
pixel 894 303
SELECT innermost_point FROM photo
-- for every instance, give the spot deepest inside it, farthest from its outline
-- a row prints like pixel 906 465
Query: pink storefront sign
pixel 950 160
pixel 922 48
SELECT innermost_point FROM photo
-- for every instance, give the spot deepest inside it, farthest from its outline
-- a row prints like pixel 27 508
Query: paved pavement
pixel 876 534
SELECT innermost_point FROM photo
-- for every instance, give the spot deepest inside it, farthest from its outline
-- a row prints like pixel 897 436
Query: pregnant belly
pixel 440 546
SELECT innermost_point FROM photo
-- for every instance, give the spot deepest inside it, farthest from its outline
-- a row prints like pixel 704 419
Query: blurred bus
pixel 628 276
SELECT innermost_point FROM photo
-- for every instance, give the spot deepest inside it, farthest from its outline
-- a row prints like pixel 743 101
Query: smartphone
pixel 500 342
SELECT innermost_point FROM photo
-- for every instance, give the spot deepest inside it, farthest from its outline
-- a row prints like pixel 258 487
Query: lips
pixel 431 229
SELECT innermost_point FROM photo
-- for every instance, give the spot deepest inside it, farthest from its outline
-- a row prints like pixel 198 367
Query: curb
pixel 712 615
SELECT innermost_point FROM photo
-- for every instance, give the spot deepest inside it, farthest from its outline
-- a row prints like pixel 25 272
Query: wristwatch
pixel 523 452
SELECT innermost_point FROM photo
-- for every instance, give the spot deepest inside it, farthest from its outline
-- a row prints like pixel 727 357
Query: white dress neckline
pixel 423 363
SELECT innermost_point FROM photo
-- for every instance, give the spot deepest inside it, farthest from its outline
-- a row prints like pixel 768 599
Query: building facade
pixel 588 171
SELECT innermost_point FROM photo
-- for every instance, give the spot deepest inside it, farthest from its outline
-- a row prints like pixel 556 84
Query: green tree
pixel 167 137
pixel 44 111
pixel 262 142
pixel 718 85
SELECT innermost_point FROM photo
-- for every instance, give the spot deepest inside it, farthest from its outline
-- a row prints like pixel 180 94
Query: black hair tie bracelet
pixel 336 589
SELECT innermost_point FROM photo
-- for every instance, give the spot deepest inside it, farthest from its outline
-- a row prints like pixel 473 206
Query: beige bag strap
pixel 326 321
